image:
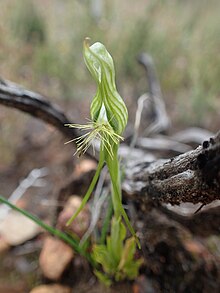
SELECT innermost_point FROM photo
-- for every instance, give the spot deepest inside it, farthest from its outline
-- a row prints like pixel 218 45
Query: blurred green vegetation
pixel 41 47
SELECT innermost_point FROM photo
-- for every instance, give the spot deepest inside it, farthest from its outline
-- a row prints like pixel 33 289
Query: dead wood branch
pixel 162 143
pixel 192 135
pixel 161 121
pixel 15 96
pixel 34 104
pixel 191 177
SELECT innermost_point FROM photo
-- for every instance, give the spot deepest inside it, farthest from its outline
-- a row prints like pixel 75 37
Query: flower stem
pixel 107 222
pixel 90 189
pixel 114 171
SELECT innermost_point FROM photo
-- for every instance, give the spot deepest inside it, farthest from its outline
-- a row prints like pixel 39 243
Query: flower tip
pixel 87 42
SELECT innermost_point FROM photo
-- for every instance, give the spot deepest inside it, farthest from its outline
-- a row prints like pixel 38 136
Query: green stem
pixel 113 168
pixel 107 221
pixel 90 189
pixel 119 211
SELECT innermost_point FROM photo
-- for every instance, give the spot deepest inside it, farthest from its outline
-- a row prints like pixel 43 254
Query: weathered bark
pixel 191 177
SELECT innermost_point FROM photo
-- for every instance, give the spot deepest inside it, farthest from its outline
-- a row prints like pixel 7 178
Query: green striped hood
pixel 107 104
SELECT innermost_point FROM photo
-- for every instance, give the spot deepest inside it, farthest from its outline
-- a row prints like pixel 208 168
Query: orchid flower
pixel 109 117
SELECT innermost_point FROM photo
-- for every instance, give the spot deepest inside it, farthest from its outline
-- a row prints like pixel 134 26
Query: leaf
pixel 101 255
pixel 128 264
pixel 128 252
pixel 103 278
pixel 131 269
pixel 46 227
